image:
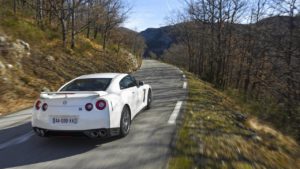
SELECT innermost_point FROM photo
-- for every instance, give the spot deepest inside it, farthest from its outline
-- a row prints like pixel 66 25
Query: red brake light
pixel 89 106
pixel 100 104
pixel 38 105
pixel 45 106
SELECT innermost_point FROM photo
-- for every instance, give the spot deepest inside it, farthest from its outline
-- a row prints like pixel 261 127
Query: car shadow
pixel 37 149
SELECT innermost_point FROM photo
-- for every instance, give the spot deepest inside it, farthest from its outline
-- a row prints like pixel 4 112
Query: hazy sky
pixel 150 13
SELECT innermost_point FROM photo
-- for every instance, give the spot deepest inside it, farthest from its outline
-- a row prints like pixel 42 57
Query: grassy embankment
pixel 48 65
pixel 219 132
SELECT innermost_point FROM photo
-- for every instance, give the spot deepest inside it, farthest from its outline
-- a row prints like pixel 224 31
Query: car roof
pixel 102 75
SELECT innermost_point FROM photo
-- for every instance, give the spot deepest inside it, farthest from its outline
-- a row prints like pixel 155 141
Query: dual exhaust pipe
pixel 40 132
pixel 102 133
pixel 97 133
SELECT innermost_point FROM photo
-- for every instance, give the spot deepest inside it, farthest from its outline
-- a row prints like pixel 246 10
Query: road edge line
pixel 184 85
pixel 175 113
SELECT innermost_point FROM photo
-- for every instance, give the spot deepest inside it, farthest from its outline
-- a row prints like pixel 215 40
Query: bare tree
pixel 39 12
pixel 60 10
pixel 15 6
pixel 115 15
pixel 289 8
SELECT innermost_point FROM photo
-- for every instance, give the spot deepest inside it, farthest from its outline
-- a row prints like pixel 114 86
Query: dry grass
pixel 48 65
pixel 216 134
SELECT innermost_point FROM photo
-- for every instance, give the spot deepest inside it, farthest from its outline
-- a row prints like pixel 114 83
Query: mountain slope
pixel 158 40
pixel 32 60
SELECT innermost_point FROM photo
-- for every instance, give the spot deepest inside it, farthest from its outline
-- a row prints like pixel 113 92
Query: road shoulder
pixel 215 134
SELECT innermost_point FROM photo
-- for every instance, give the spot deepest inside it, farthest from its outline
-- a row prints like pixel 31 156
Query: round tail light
pixel 38 105
pixel 100 104
pixel 89 106
pixel 45 106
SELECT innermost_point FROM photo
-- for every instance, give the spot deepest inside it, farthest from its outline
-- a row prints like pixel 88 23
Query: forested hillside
pixel 158 40
pixel 249 49
pixel 45 43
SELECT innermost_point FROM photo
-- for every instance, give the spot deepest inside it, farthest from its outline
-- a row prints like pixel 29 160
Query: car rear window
pixel 94 84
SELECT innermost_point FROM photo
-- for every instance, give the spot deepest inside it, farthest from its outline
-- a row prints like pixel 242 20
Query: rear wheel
pixel 149 100
pixel 125 122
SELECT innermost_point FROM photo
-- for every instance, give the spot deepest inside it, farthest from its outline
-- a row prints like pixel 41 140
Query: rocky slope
pixel 27 69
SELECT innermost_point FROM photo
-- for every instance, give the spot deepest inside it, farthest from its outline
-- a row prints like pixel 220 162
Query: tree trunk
pixel 88 31
pixel 15 6
pixel 39 12
pixel 239 73
pixel 104 41
pixel 88 20
pixel 248 71
pixel 290 78
pixel 73 25
pixel 64 32
pixel 63 24
pixel 95 31
pixel 212 45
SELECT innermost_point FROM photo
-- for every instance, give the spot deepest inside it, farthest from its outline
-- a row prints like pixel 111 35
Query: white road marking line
pixel 184 76
pixel 184 85
pixel 17 140
pixel 173 117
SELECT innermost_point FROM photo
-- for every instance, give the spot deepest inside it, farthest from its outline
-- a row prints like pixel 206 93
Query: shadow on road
pixel 47 149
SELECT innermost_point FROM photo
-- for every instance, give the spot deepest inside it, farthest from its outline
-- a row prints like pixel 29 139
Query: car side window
pixel 127 82
pixel 134 81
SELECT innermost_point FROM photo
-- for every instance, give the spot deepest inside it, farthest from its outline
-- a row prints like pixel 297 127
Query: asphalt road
pixel 147 145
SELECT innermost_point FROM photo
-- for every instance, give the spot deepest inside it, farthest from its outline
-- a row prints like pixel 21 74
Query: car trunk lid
pixel 70 99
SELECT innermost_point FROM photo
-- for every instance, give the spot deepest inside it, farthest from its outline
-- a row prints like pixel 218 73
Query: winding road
pixel 146 146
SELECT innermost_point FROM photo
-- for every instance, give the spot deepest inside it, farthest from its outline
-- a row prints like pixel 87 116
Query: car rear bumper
pixel 84 121
pixel 93 133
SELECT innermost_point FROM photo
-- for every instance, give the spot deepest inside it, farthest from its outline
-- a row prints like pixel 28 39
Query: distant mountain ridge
pixel 158 40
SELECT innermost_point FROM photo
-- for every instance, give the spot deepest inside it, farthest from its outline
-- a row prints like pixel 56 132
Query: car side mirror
pixel 141 83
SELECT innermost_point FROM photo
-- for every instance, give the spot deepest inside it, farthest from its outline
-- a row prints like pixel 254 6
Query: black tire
pixel 125 122
pixel 149 100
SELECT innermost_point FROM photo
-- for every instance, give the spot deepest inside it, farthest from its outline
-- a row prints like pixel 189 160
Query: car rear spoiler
pixel 66 94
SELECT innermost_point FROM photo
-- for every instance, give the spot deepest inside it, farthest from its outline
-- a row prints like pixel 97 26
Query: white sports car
pixel 97 105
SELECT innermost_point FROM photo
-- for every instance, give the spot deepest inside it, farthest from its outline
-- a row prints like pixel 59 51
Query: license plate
pixel 64 120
